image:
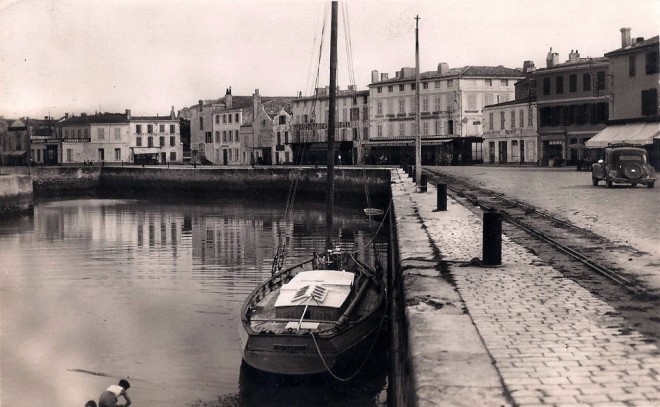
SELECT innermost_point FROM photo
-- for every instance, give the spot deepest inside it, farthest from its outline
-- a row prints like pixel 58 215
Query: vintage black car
pixel 623 165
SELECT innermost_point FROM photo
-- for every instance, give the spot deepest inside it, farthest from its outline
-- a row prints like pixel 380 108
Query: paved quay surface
pixel 515 335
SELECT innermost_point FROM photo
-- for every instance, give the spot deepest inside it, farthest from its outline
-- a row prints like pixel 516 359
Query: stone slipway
pixel 519 334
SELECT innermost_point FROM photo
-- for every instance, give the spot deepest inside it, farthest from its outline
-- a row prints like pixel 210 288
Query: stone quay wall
pixel 54 181
pixel 351 183
pixel 15 194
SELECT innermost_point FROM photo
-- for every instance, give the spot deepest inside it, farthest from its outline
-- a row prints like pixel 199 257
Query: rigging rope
pixel 278 260
pixel 364 361
pixel 349 46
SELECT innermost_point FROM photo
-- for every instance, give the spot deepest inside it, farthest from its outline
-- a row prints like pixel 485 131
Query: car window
pixel 630 157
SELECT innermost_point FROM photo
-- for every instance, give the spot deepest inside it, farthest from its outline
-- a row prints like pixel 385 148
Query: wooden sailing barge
pixel 324 313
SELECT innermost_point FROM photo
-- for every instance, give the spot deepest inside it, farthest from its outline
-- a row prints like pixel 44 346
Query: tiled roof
pixel 99 118
pixel 576 62
pixel 76 121
pixel 276 104
pixel 341 93
pixel 152 118
pixel 239 102
pixel 466 71
pixel 634 47
pixel 512 102
pixel 108 118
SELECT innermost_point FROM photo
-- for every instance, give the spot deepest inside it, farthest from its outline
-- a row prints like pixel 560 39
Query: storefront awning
pixel 19 153
pixel 631 133
pixel 146 150
pixel 404 143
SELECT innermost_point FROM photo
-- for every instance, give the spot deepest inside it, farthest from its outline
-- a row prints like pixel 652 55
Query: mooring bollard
pixel 422 183
pixel 410 170
pixel 442 196
pixel 492 243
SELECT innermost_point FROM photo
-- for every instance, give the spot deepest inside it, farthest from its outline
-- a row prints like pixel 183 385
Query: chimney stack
pixel 552 59
pixel 228 99
pixel 256 104
pixel 384 76
pixel 201 105
pixel 443 67
pixel 528 66
pixel 374 76
pixel 172 114
pixel 574 56
pixel 625 37
pixel 128 114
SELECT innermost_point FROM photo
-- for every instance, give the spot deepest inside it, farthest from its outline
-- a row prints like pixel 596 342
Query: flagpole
pixel 418 137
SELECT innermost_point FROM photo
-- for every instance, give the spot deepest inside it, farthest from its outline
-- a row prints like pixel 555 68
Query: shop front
pixel 146 155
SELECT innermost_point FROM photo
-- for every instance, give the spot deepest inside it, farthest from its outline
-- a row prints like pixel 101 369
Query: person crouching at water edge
pixel 111 395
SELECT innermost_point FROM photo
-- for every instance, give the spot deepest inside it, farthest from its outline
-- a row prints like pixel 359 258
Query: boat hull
pixel 300 354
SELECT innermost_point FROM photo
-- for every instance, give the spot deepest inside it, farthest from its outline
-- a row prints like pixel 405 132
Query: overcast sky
pixel 76 56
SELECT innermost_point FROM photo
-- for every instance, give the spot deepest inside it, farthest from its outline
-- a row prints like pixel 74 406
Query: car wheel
pixel 608 183
pixel 594 181
pixel 650 184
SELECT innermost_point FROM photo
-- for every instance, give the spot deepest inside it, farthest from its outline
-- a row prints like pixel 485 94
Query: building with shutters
pixel 310 126
pixel 573 105
pixel 451 107
pixel 634 112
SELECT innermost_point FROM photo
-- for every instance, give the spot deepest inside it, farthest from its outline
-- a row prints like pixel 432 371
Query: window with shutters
pixel 650 102
pixel 652 62
pixel 572 83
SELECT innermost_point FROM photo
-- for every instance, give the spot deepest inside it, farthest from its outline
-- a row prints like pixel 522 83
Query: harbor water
pixel 95 290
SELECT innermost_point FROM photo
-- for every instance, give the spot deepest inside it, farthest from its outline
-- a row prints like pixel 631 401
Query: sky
pixel 84 56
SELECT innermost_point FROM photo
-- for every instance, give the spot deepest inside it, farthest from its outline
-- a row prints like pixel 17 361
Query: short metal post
pixel 413 173
pixel 422 183
pixel 442 196
pixel 410 171
pixel 492 238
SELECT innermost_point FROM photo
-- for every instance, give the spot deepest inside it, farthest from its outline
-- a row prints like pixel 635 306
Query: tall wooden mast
pixel 418 136
pixel 330 185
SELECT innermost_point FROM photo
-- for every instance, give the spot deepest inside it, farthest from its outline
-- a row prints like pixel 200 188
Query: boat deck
pixel 264 320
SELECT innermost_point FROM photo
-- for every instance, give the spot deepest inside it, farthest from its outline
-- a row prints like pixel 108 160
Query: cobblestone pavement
pixel 551 341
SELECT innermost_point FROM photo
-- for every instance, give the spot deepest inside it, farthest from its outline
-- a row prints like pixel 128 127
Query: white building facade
pixel 510 135
pixel 451 110
pixel 152 139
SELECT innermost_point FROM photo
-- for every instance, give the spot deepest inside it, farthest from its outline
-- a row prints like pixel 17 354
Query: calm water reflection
pixel 96 290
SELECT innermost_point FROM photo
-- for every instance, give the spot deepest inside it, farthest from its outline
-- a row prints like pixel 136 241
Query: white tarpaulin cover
pixel 632 133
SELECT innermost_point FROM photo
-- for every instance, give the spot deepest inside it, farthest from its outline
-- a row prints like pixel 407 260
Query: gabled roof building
pixel 223 132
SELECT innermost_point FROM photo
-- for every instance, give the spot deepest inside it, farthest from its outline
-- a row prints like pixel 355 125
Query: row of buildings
pixel 556 115
pixel 86 139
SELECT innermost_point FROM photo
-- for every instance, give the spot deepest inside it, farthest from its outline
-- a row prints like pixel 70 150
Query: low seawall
pixel 15 194
pixel 59 181
pixel 260 182
pixel 351 183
